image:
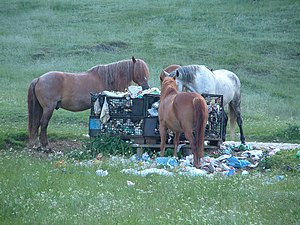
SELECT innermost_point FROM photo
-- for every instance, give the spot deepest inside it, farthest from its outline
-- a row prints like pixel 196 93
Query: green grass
pixel 258 40
pixel 35 190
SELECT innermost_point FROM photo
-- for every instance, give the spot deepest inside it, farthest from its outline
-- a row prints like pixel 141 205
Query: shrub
pixel 104 144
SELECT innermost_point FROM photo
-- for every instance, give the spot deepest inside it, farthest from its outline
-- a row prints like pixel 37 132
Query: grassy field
pixel 38 191
pixel 258 40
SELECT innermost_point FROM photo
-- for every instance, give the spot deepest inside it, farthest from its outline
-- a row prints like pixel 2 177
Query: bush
pixel 104 144
pixel 285 161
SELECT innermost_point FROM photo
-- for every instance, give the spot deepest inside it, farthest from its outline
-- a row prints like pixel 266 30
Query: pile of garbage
pixel 232 158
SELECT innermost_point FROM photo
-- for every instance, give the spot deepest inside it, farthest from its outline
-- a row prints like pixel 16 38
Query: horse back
pixel 229 78
pixel 70 91
pixel 184 107
pixel 228 85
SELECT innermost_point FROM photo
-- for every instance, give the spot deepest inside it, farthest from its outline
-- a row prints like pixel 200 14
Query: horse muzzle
pixel 145 87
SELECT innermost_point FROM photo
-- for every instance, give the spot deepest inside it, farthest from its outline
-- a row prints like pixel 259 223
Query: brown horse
pixel 182 112
pixel 71 91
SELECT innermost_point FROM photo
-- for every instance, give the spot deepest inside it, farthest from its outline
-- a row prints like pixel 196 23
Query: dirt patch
pixel 61 145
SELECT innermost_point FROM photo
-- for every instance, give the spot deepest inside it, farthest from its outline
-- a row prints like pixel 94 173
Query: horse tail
pixel 34 112
pixel 200 118
pixel 233 117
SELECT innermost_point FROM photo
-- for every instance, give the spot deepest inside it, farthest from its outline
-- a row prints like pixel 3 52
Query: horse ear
pixel 166 74
pixel 133 59
pixel 161 78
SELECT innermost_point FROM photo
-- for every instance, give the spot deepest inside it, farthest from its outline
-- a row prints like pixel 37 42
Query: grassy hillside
pixel 258 40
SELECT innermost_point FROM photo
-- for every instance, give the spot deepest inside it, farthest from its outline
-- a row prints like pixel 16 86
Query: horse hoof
pixel 47 150
pixel 37 148
pixel 44 149
pixel 197 166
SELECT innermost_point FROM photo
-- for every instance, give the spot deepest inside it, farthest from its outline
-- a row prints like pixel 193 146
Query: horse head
pixel 175 74
pixel 140 73
pixel 166 71
pixel 168 85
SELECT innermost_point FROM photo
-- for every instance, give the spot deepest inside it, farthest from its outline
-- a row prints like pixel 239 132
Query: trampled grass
pixel 50 191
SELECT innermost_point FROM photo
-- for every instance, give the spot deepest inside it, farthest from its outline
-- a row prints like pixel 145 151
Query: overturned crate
pixel 136 119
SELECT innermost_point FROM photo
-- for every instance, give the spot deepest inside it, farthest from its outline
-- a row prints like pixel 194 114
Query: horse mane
pixel 189 73
pixel 109 73
pixel 168 87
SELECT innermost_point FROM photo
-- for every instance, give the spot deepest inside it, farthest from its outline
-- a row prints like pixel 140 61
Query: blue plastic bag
pixel 233 161
pixel 167 161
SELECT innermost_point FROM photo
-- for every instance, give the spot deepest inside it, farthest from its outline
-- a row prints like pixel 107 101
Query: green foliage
pixel 110 145
pixel 292 132
pixel 284 161
pixel 104 144
pixel 16 139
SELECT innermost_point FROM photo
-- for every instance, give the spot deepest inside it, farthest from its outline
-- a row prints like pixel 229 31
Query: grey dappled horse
pixel 198 78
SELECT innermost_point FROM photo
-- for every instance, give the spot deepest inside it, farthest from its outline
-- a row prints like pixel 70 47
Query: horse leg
pixel 235 107
pixel 35 112
pixel 176 143
pixel 239 121
pixel 190 137
pixel 47 114
pixel 224 126
pixel 163 133
pixel 34 133
pixel 34 124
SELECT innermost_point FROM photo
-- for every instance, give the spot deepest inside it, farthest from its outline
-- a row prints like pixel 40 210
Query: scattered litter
pixel 167 161
pixel 130 183
pixel 274 151
pixel 279 177
pixel 274 179
pixel 134 91
pixel 101 173
pixel 87 163
pixel 154 109
pixel 253 154
pixel 230 172
pixel 192 171
pixel 245 172
pixel 229 160
pixel 237 163
pixel 145 156
pixel 228 147
pixel 147 172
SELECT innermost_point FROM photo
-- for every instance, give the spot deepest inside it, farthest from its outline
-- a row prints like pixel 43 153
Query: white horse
pixel 200 79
